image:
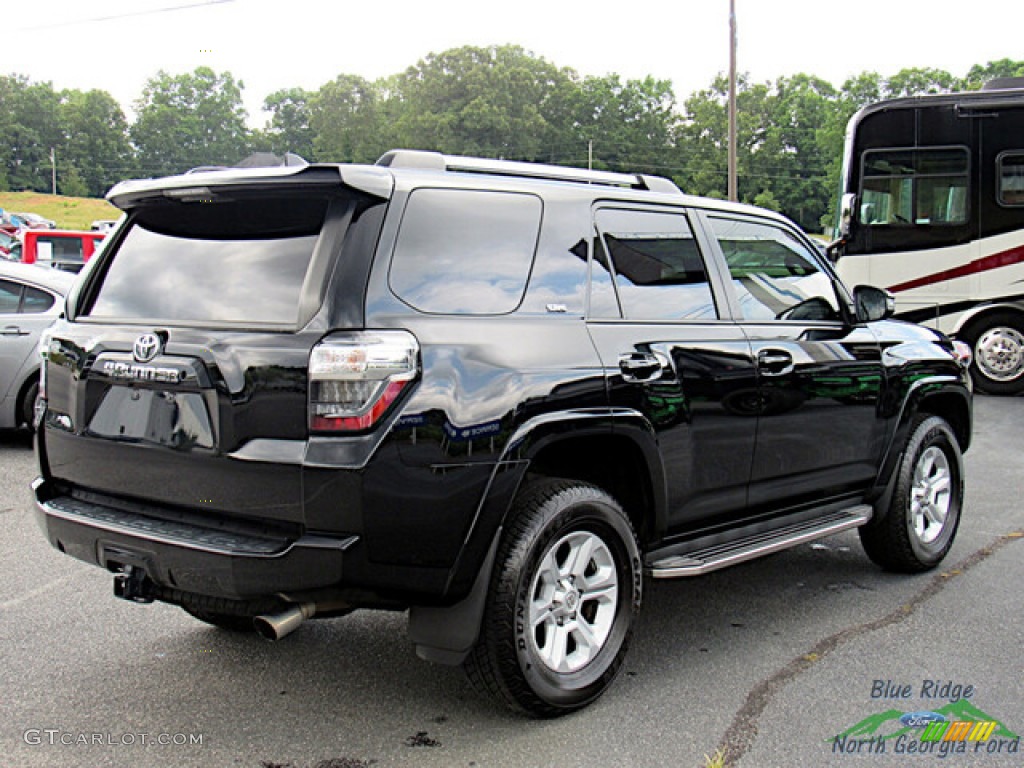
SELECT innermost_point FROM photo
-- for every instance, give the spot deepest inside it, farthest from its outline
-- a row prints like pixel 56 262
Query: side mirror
pixel 834 249
pixel 846 208
pixel 873 303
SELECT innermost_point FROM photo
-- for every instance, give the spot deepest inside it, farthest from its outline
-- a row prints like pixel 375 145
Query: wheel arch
pixel 946 397
pixel 982 311
pixel 616 452
pixel 623 461
pixel 26 385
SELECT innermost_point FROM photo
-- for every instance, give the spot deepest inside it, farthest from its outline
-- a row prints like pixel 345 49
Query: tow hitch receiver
pixel 132 583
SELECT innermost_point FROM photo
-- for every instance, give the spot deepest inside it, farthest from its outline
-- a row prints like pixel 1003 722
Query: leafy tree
pixel 803 113
pixel 29 128
pixel 980 74
pixel 917 81
pixel 632 125
pixel 289 129
pixel 702 148
pixel 189 120
pixel 70 182
pixel 495 102
pixel 346 121
pixel 95 143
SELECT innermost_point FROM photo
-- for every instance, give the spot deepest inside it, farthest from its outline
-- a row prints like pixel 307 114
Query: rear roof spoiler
pixel 199 186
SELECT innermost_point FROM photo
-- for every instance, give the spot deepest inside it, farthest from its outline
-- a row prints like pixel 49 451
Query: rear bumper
pixel 195 556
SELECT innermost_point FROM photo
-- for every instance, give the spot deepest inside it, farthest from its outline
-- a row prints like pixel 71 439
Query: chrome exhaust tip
pixel 277 625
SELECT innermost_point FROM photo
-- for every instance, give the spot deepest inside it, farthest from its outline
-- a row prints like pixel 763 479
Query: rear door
pixel 820 430
pixel 670 356
pixel 186 357
pixel 24 315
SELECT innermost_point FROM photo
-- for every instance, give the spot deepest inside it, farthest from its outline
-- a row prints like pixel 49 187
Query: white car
pixel 35 221
pixel 31 297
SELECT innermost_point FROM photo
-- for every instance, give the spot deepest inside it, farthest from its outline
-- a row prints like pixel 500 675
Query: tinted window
pixel 659 272
pixel 914 186
pixel 10 297
pixel 774 273
pixel 54 248
pixel 465 252
pixel 237 262
pixel 36 301
pixel 1011 178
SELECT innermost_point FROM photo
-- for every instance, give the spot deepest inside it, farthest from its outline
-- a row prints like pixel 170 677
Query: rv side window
pixel 1010 175
pixel 904 187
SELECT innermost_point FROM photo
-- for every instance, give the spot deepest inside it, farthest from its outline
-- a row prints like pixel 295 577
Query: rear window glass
pixel 53 248
pixel 465 252
pixel 232 262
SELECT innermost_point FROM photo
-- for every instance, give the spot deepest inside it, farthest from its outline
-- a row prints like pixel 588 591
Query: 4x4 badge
pixel 146 347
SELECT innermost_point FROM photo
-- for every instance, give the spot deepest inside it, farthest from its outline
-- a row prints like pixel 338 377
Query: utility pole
pixel 53 168
pixel 733 195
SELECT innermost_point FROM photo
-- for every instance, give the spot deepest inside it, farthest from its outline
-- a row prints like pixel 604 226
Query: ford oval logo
pixel 146 347
pixel 921 719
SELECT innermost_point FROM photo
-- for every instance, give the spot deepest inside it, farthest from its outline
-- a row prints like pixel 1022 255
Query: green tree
pixel 917 81
pixel 289 129
pixel 495 102
pixel 632 125
pixel 189 120
pixel 980 74
pixel 346 121
pixel 29 128
pixel 703 140
pixel 95 142
pixel 70 181
pixel 803 112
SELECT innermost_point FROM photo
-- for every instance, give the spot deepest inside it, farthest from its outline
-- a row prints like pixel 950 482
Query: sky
pixel 116 45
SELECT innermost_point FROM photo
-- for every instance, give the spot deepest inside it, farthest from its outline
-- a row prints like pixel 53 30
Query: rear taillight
pixel 355 377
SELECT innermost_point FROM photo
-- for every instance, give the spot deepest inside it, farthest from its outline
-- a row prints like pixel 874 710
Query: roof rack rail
pixel 415 158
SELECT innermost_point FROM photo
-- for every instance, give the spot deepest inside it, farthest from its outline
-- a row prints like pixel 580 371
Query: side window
pixel 36 301
pixel 901 187
pixel 1010 178
pixel 658 270
pixel 10 297
pixel 465 252
pixel 775 275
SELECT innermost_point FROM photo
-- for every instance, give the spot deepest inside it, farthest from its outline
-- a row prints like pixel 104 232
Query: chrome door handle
pixel 641 366
pixel 774 362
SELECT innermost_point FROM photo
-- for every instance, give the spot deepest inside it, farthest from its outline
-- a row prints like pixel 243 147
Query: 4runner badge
pixel 146 347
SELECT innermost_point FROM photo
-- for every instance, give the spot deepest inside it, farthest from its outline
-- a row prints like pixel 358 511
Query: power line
pixel 115 17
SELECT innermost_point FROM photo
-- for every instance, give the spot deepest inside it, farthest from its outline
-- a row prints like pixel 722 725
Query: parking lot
pixel 770 660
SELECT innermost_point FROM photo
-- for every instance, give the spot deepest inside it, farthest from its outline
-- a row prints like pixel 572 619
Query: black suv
pixel 496 395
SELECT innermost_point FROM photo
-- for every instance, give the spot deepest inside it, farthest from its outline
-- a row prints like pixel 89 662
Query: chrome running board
pixel 711 558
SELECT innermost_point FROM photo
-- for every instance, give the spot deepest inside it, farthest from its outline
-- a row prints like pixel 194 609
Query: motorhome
pixel 933 209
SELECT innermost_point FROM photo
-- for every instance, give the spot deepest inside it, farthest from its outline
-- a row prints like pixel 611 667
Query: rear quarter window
pixel 465 252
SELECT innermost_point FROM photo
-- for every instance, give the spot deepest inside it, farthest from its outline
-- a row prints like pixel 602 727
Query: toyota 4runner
pixel 497 395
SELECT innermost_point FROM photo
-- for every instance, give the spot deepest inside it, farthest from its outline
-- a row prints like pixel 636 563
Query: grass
pixel 716 760
pixel 68 212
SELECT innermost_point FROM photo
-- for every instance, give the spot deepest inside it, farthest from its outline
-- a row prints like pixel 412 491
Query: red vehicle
pixel 60 248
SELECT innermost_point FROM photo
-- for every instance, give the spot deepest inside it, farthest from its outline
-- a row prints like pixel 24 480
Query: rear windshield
pixel 240 261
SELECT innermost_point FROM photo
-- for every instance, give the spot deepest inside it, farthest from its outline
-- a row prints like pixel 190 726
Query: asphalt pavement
pixel 772 661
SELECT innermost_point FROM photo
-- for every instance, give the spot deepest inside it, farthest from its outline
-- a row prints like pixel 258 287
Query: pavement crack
pixel 739 736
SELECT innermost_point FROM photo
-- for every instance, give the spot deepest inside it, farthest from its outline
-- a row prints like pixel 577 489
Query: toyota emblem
pixel 147 346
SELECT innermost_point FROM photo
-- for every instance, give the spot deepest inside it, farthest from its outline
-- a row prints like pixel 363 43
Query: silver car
pixel 31 297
